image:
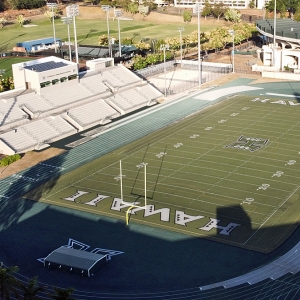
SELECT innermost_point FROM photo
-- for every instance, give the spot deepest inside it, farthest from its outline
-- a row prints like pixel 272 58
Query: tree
pixel 6 84
pixel 31 290
pixel 8 282
pixel 232 15
pixel 21 20
pixel 133 8
pixel 218 10
pixel 283 6
pixel 187 16
pixel 207 9
pixel 252 4
pixel 62 294
pixel 25 4
pixel 3 22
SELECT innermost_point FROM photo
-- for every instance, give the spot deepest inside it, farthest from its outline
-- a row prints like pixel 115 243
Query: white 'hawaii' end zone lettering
pixel 281 102
pixel 75 196
pixel 225 230
pixel 180 217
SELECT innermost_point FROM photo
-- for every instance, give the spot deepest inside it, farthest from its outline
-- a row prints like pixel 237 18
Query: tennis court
pixel 228 173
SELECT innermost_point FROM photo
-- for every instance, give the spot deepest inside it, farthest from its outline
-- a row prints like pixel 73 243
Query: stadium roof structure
pixel 287 30
pixel 74 260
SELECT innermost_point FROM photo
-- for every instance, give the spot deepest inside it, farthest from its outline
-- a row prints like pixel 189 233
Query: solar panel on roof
pixel 46 66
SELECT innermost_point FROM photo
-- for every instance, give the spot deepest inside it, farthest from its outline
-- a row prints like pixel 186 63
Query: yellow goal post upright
pixel 141 165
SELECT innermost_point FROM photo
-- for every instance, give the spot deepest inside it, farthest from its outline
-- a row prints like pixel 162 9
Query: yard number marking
pixel 222 121
pixel 161 154
pixel 208 128
pixel 141 165
pixel 194 136
pixel 290 162
pixel 234 114
pixel 248 201
pixel 117 178
pixel 245 108
pixel 178 145
pixel 278 174
pixel 264 186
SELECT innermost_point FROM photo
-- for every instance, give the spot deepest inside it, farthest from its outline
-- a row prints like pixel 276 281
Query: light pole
pixel 68 21
pixel 52 6
pixel 197 10
pixel 164 48
pixel 231 32
pixel 72 12
pixel 274 38
pixel 180 29
pixel 107 8
pixel 118 14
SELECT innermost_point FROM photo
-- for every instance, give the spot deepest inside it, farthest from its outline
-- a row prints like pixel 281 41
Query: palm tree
pixel 62 294
pixel 8 283
pixel 31 290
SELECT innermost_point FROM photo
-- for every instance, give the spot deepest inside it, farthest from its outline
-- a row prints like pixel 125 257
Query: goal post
pixel 120 177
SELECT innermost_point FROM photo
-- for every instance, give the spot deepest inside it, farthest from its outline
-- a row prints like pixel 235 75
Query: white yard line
pixel 271 215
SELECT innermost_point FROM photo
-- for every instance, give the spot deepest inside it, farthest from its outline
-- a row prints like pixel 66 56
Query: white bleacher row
pixel 91 114
pixel 55 99
pixel 118 77
pixel 81 105
pixel 37 134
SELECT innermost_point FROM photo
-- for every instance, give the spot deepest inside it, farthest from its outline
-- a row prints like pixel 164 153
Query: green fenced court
pixel 228 173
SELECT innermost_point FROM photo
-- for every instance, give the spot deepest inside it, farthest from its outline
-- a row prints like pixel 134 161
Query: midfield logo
pixel 248 143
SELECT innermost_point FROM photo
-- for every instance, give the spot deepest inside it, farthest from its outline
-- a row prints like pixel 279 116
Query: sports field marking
pixel 271 215
pixel 190 171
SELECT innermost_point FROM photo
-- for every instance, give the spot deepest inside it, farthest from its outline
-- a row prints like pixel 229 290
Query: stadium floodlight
pixel 118 14
pixel 163 48
pixel 274 37
pixel 107 8
pixel 197 10
pixel 72 12
pixel 68 21
pixel 180 29
pixel 231 32
pixel 53 6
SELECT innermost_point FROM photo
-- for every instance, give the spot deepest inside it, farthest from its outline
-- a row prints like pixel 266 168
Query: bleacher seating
pixel 34 134
pixel 10 113
pixel 95 99
pixel 95 85
pixel 91 114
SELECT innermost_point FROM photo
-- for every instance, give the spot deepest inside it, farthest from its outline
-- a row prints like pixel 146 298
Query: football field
pixel 229 173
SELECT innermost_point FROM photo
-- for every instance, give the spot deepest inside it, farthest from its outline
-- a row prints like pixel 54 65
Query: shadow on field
pixel 153 259
pixel 11 207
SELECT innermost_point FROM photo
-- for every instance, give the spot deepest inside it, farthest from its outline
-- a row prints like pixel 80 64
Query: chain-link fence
pixel 156 69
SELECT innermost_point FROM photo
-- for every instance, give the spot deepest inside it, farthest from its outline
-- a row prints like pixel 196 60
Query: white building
pixel 239 4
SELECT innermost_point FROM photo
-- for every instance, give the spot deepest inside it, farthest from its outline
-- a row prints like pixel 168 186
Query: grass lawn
pixel 88 31
pixel 7 62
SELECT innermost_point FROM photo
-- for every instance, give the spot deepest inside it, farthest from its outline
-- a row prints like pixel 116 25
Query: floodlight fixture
pixel 197 10
pixel 118 14
pixel 180 29
pixel 52 6
pixel 68 21
pixel 231 32
pixel 107 8
pixel 72 12
pixel 163 48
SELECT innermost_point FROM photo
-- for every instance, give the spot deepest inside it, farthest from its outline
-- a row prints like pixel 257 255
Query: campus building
pixel 285 55
pixel 239 4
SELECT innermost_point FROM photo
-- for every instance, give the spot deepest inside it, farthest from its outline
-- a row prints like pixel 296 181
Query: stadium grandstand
pixel 52 101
